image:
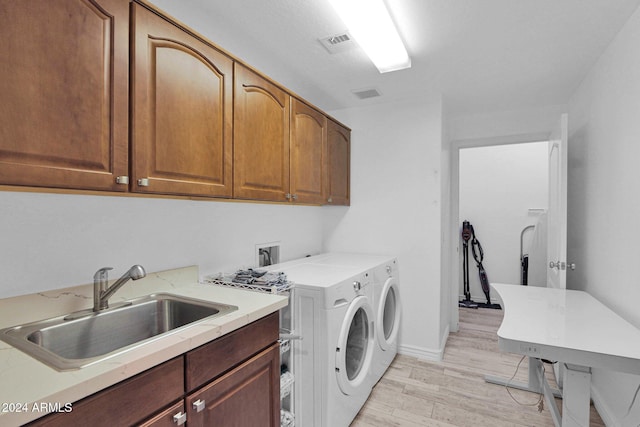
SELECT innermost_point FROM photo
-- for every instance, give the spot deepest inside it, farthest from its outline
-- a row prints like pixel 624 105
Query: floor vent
pixel 366 93
pixel 338 43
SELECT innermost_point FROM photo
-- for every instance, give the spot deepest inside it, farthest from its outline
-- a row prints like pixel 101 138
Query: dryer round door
pixel 388 320
pixel 354 349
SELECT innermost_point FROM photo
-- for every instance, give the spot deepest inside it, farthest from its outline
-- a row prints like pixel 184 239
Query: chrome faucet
pixel 102 293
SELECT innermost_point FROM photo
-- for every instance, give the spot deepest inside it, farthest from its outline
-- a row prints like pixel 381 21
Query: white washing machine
pixel 384 271
pixel 332 362
pixel 386 302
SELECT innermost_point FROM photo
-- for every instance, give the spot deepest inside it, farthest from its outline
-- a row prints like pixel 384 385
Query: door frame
pixel 454 228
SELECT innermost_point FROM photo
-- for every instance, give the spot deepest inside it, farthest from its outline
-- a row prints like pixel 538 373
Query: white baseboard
pixel 421 353
pixel 434 355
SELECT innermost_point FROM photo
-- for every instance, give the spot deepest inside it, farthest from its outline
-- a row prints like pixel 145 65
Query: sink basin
pixel 72 344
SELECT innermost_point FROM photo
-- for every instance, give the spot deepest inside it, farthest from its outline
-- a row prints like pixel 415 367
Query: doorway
pixel 491 181
pixel 503 193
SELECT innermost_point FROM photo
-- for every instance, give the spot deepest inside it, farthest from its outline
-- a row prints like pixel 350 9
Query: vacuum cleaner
pixel 468 233
pixel 466 236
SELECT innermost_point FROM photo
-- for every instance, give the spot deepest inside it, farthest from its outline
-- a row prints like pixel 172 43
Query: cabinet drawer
pixel 212 359
pixel 128 402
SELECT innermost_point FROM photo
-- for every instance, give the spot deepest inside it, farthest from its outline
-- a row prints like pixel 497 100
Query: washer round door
pixel 354 349
pixel 388 320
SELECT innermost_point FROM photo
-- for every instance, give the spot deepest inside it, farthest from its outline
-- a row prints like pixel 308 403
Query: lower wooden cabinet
pixel 247 396
pixel 242 388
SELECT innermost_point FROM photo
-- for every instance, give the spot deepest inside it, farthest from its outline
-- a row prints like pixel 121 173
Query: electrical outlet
pixel 529 349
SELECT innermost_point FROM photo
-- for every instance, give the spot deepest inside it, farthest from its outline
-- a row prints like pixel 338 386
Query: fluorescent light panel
pixel 370 24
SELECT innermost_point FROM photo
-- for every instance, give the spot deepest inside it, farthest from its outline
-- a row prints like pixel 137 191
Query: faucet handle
pixel 102 273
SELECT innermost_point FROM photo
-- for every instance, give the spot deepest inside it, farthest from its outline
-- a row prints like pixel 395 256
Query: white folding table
pixel 570 327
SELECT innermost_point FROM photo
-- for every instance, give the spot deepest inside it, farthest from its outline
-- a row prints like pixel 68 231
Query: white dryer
pixel 387 309
pixel 335 317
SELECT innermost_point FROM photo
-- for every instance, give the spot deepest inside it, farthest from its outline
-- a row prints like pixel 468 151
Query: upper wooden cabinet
pixel 308 153
pixel 64 86
pixel 182 101
pixel 338 164
pixel 261 138
pixel 279 143
pixel 113 95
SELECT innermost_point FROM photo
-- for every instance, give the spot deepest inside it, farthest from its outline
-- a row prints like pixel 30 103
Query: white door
pixel 557 214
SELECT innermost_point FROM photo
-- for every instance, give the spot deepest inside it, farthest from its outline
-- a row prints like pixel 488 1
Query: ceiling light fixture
pixel 371 26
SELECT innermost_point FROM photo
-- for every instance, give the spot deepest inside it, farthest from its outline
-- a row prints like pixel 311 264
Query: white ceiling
pixel 483 55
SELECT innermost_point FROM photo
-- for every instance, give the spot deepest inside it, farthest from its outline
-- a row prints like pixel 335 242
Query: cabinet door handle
pixel 180 418
pixel 122 179
pixel 198 405
pixel 143 182
pixel 295 197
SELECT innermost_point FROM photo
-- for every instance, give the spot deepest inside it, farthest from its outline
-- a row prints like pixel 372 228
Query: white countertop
pixel 27 382
pixel 566 325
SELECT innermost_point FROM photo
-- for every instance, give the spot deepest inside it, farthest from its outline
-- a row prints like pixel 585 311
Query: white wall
pixel 524 125
pixel 396 207
pixel 603 203
pixel 51 241
pixel 498 185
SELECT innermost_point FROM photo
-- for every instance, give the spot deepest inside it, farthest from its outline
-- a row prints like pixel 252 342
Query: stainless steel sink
pixel 72 344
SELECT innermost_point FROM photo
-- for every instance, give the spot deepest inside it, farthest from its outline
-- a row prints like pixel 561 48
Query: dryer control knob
pixel 357 285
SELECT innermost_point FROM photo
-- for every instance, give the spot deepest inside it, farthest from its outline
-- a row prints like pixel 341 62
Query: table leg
pixel 576 396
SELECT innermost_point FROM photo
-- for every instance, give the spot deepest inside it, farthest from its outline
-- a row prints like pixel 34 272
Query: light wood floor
pixel 453 392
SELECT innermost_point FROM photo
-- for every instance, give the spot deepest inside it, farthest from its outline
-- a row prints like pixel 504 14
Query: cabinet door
pixel 182 111
pixel 308 153
pixel 63 78
pixel 338 164
pixel 247 396
pixel 261 138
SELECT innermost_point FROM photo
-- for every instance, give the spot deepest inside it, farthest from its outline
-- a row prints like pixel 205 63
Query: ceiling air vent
pixel 338 43
pixel 366 93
